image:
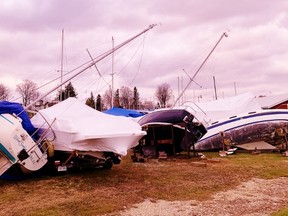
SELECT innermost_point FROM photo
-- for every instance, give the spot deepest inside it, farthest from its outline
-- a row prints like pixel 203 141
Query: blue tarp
pixel 124 112
pixel 17 108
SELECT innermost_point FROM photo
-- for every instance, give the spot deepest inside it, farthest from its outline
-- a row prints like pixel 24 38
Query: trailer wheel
pixel 108 164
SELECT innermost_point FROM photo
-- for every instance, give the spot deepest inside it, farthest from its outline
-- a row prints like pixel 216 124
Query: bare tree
pixel 28 91
pixel 147 105
pixel 126 97
pixel 163 94
pixel 107 98
pixel 4 92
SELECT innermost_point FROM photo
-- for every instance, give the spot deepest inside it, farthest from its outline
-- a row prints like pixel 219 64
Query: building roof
pixel 266 102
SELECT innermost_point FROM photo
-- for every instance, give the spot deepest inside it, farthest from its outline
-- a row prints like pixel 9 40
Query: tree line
pixel 124 97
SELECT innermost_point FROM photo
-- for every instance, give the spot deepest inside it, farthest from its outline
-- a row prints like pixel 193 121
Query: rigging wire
pixel 87 86
pixel 140 62
pixel 203 63
pixel 108 83
pixel 88 64
pixel 124 67
pixel 209 85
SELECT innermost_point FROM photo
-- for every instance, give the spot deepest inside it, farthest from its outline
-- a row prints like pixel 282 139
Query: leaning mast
pixel 94 61
pixel 192 78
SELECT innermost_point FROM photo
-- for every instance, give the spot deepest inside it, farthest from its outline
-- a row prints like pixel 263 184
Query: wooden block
pixel 199 164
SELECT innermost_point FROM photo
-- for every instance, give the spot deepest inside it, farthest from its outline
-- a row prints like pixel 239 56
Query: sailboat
pixel 172 130
pixel 240 122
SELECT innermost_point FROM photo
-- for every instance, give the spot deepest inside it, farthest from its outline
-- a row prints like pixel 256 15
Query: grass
pixel 97 192
pixel 282 212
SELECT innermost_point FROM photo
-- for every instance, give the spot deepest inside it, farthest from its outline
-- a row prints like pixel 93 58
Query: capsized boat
pixel 252 127
pixel 86 136
pixel 170 131
pixel 17 147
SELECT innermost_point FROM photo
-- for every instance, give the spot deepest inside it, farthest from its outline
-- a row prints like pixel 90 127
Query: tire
pixel 108 164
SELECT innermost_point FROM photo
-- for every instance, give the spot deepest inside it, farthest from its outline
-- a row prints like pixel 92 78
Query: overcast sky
pixel 253 58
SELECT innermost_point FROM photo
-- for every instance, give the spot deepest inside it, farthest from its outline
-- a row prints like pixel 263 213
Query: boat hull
pixel 170 131
pixel 116 143
pixel 264 125
pixel 17 146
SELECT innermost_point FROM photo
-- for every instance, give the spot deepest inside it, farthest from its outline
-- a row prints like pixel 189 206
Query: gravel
pixel 254 198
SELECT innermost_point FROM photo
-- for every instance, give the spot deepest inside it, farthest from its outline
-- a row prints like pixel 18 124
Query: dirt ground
pixel 254 198
pixel 241 184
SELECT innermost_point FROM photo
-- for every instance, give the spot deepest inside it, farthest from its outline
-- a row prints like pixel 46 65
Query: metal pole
pixel 235 88
pixel 215 87
pixel 61 70
pixel 112 74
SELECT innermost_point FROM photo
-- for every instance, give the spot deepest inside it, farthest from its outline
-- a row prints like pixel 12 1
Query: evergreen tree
pixel 91 101
pixel 136 99
pixel 116 99
pixel 99 102
pixel 69 91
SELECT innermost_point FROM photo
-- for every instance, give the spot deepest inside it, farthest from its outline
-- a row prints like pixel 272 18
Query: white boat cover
pixel 79 127
pixel 223 108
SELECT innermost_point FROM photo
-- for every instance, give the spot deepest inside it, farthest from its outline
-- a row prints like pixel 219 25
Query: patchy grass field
pixel 99 191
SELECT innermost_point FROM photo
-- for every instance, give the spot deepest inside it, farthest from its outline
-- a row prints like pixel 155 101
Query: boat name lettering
pixel 32 159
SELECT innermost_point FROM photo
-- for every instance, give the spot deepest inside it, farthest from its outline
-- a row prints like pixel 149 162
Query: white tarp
pixel 79 127
pixel 222 108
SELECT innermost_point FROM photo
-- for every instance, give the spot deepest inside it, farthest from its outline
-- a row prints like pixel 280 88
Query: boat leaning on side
pixel 169 131
pixel 17 147
pixel 268 126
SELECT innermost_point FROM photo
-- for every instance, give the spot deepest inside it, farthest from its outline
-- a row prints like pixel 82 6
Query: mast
pixel 61 70
pixel 178 86
pixel 235 90
pixel 191 79
pixel 215 87
pixel 112 74
pixel 95 61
